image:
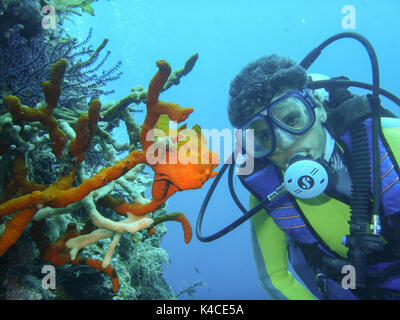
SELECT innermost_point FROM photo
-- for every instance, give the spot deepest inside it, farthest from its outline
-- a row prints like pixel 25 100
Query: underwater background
pixel 227 35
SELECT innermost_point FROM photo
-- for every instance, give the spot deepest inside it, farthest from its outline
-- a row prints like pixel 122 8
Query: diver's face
pixel 311 143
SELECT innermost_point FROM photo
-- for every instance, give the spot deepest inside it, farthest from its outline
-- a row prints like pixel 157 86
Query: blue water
pixel 227 35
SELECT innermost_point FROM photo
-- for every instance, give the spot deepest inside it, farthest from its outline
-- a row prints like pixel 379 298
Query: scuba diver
pixel 325 190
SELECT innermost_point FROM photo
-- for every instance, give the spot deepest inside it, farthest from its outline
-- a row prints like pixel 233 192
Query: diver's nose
pixel 284 139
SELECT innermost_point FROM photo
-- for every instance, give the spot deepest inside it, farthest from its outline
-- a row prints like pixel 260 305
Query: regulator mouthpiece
pixel 305 178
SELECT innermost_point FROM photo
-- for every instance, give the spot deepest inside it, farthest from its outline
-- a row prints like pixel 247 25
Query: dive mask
pixel 293 113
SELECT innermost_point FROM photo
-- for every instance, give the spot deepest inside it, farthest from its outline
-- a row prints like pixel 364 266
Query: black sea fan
pixel 24 64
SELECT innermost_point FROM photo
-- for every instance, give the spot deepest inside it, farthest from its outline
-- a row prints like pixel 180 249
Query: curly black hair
pixel 258 82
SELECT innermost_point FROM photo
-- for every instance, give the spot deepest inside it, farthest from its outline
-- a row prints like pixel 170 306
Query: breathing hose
pixel 360 210
pixel 359 239
pixel 246 214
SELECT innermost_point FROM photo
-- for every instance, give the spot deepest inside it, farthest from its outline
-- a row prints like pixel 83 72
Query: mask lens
pixel 262 137
pixel 292 115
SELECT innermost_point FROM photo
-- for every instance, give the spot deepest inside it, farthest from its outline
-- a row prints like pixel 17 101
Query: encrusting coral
pixel 172 173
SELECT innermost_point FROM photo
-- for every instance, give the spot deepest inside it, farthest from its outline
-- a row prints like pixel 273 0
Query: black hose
pixel 359 219
pixel 360 212
pixel 232 189
pixel 247 214
pixel 350 83
pixel 314 54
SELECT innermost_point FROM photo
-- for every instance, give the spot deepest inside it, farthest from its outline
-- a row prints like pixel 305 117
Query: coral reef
pixel 190 291
pixel 65 7
pixel 85 75
pixel 49 210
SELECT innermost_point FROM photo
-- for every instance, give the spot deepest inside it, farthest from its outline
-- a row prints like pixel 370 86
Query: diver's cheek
pixel 279 158
pixel 285 140
pixel 316 143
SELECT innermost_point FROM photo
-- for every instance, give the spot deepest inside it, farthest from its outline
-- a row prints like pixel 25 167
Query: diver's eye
pixel 292 120
pixel 264 135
